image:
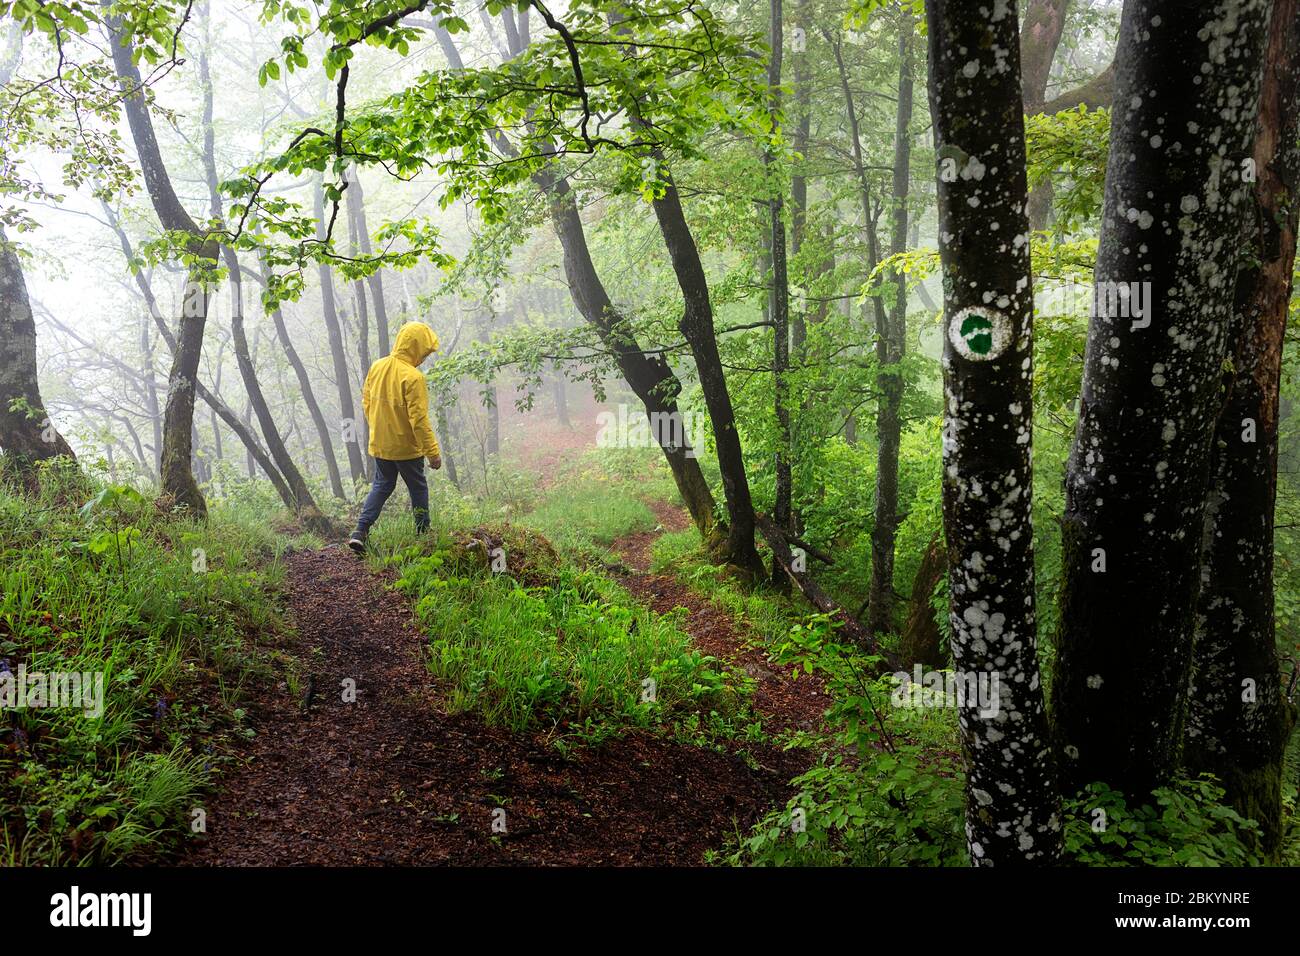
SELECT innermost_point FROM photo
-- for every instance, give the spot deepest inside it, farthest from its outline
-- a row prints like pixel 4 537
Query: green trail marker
pixel 979 334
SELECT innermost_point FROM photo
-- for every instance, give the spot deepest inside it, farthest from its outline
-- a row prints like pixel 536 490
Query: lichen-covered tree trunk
pixel 1013 810
pixel 1187 91
pixel 1239 718
pixel 27 436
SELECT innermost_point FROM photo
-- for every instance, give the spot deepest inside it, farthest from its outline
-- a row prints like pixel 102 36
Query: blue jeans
pixel 386 472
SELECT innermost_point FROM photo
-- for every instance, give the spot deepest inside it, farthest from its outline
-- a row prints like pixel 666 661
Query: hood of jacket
pixel 415 343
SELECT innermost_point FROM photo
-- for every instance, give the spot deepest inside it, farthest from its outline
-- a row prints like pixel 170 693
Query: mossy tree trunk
pixel 27 436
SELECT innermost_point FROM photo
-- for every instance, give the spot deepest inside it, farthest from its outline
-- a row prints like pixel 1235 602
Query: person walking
pixel 396 404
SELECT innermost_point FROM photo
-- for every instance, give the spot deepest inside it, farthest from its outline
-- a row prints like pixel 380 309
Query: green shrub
pixel 1187 825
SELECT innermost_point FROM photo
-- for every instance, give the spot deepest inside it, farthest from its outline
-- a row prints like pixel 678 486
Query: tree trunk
pixel 649 376
pixel 891 342
pixel 782 511
pixel 1013 811
pixel 224 411
pixel 448 447
pixel 151 393
pixel 250 463
pixel 1039 41
pixel 27 436
pixel 1152 386
pixel 1040 37
pixel 697 328
pixel 559 390
pixel 300 501
pixel 363 314
pixel 334 332
pixel 493 443
pixel 308 395
pixel 357 217
pixel 202 472
pixel 1239 719
pixel 921 641
pixel 799 173
pixel 217 450
pixel 177 477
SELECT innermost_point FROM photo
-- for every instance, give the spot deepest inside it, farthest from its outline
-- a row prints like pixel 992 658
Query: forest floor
pixel 392 778
pixel 784 703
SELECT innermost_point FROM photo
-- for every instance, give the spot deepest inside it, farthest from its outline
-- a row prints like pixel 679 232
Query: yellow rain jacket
pixel 396 400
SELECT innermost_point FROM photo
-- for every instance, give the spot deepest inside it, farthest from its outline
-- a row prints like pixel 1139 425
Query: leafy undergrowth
pixel 162 614
pixel 528 640
pixel 531 635
pixel 889 791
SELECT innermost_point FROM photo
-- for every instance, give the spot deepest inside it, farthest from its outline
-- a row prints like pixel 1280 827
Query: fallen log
pixel 812 552
pixel 850 626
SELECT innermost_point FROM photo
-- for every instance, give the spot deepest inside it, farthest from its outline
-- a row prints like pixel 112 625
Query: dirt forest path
pixel 392 779
pixel 785 703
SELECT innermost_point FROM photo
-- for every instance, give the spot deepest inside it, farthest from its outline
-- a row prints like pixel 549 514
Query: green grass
pixel 763 611
pixel 170 613
pixel 600 496
pixel 578 651
pixel 642 468
pixel 590 514
pixel 547 644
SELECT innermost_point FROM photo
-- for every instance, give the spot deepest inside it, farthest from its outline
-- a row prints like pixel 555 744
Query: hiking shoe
pixel 357 542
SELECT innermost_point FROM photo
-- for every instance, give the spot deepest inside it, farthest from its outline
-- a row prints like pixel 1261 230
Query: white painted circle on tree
pixel 980 334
